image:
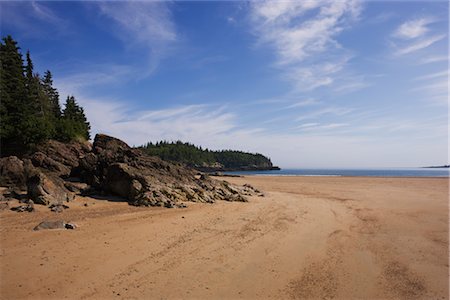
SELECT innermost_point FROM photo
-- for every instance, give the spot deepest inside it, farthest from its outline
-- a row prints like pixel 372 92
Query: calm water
pixel 392 172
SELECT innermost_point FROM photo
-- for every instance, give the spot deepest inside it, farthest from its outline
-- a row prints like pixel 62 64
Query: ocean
pixel 391 172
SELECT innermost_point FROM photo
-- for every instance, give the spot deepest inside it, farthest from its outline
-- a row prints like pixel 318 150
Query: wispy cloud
pixel 433 87
pixel 414 28
pixel 434 59
pixel 414 35
pixel 97 75
pixel 303 35
pixel 331 110
pixel 419 45
pixel 30 16
pixel 303 103
pixel 143 24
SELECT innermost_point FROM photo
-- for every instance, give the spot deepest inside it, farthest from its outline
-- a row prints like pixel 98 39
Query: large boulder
pixel 45 189
pixel 12 172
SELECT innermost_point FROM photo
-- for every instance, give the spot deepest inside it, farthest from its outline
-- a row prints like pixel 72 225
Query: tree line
pixel 194 156
pixel 30 112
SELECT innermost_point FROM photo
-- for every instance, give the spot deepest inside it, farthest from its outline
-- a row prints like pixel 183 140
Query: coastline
pixel 309 237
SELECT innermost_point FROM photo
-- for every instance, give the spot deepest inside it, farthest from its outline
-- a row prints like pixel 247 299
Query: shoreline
pixel 309 237
pixel 340 176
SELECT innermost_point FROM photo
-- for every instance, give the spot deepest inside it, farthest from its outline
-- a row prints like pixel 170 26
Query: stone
pixel 58 207
pixel 44 189
pixel 58 224
pixel 70 226
pixel 12 172
pixel 41 160
pixel 29 207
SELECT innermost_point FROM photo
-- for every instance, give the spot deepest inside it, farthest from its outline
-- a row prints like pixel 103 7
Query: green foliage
pixel 29 105
pixel 194 156
pixel 73 124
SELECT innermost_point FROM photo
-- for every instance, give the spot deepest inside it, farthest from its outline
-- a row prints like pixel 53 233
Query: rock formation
pixel 57 171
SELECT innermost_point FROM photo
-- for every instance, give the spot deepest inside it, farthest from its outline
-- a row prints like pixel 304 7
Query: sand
pixel 310 237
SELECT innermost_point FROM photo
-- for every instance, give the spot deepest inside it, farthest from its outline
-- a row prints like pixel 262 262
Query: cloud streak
pixel 303 35
pixel 413 35
pixel 143 24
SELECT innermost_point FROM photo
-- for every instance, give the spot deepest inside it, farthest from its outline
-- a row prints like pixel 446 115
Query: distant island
pixel 437 167
pixel 207 160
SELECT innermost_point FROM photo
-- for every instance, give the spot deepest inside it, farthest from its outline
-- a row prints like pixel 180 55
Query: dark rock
pixel 29 207
pixel 181 205
pixel 70 226
pixel 77 187
pixel 41 160
pixel 58 207
pixel 15 193
pixel 67 154
pixel 12 172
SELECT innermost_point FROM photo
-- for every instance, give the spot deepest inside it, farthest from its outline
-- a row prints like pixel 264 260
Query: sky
pixel 311 84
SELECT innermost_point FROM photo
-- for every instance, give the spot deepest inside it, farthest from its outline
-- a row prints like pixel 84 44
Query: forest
pixel 30 110
pixel 205 159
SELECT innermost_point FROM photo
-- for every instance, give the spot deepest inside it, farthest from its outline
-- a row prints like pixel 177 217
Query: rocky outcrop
pixel 57 171
pixel 12 172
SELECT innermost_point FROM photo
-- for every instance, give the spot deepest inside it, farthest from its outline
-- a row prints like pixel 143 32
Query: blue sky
pixel 309 83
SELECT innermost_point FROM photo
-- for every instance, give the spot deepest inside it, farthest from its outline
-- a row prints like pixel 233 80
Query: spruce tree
pixel 74 124
pixel 52 94
pixel 13 96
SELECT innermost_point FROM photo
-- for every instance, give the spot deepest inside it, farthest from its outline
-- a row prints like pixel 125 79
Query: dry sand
pixel 327 237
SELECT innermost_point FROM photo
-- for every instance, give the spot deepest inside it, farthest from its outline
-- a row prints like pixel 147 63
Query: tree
pixel 74 124
pixel 52 94
pixel 13 95
pixel 29 105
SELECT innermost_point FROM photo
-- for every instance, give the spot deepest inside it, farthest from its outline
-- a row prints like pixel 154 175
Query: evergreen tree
pixel 74 124
pixel 52 94
pixel 38 124
pixel 29 105
pixel 13 95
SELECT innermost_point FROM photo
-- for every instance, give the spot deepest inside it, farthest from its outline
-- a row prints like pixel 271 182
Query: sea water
pixel 389 172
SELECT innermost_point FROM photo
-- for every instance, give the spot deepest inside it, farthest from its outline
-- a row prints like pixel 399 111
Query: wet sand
pixel 310 237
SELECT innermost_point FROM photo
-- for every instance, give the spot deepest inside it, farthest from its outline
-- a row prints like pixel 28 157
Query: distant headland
pixel 207 160
pixel 437 167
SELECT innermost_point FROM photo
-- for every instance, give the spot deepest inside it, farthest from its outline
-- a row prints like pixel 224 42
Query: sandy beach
pixel 309 237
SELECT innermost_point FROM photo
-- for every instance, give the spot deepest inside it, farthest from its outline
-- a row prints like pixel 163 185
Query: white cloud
pixel 413 28
pixel 336 111
pixel 303 35
pixel 303 103
pixel 434 59
pixel 414 35
pixel 419 45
